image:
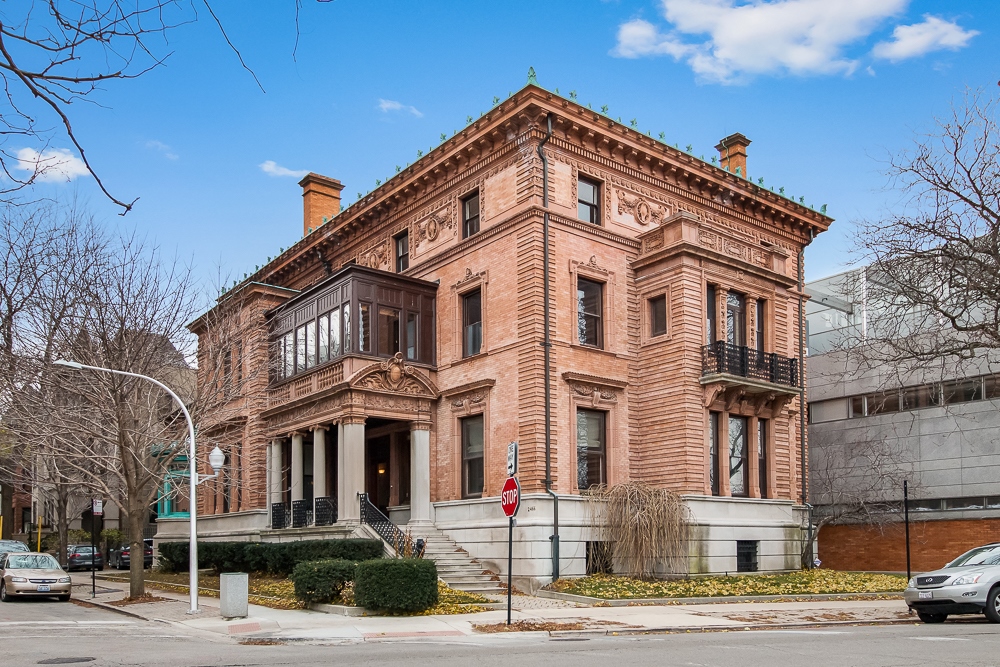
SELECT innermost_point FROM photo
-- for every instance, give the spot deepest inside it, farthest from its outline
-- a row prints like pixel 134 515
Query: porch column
pixel 297 467
pixel 350 467
pixel 276 464
pixel 420 472
pixel 319 462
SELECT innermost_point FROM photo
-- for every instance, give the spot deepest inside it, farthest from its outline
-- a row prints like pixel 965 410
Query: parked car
pixel 32 574
pixel 8 546
pixel 121 558
pixel 970 584
pixel 84 557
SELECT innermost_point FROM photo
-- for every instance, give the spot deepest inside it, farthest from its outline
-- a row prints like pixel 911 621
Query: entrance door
pixel 377 463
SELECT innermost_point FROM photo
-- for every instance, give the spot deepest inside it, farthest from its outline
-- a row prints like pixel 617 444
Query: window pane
pixel 590 440
pixel 347 328
pixel 335 333
pixel 588 201
pixel 388 331
pixel 713 452
pixel 760 326
pixel 857 406
pixel 658 316
pixel 411 335
pixel 992 386
pixel 288 343
pixel 587 191
pixel 300 349
pixel 402 252
pixel 762 457
pixel 590 309
pixel 710 314
pixel 920 397
pixel 737 456
pixel 472 455
pixel 883 402
pixel 324 338
pixel 364 327
pixel 735 319
pixel 472 321
pixel 470 215
pixel 311 344
pixel 961 391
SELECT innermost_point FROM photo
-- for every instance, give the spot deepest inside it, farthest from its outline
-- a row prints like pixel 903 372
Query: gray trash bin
pixel 234 591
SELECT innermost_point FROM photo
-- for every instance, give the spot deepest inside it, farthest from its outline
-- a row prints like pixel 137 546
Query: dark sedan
pixel 121 558
pixel 84 557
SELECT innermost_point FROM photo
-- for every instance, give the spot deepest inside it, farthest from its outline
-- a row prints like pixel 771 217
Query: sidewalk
pixel 302 625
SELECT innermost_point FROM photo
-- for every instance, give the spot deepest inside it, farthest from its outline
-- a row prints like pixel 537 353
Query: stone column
pixel 319 462
pixel 420 472
pixel 277 459
pixel 297 467
pixel 350 467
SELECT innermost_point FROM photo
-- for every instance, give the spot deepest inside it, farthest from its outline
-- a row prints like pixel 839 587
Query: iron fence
pixel 721 357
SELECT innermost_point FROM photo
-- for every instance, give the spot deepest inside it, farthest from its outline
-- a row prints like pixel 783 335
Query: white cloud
pixel 750 37
pixel 934 34
pixel 272 168
pixel 161 147
pixel 385 106
pixel 51 165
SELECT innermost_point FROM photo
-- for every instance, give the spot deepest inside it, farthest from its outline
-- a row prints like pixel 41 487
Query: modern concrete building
pixel 937 427
pixel 622 309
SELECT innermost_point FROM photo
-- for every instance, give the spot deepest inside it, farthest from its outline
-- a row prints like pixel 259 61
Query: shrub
pixel 273 558
pixel 405 584
pixel 321 580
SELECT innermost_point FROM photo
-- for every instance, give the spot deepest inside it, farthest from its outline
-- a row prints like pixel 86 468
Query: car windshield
pixel 6 545
pixel 980 556
pixel 32 562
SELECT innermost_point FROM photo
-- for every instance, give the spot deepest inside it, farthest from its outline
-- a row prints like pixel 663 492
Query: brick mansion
pixel 622 309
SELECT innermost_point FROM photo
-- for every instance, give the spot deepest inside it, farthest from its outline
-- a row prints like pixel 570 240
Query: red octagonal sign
pixel 510 497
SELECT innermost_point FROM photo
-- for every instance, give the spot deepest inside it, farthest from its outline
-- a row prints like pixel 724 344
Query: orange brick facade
pixel 670 225
pixel 932 544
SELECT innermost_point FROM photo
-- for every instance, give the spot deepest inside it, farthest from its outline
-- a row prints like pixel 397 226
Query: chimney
pixel 733 154
pixel 320 199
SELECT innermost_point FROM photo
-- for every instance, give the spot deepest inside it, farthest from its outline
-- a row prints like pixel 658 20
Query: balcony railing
pixel 319 379
pixel 742 361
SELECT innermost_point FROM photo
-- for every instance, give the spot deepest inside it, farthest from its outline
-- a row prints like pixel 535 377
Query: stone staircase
pixel 455 567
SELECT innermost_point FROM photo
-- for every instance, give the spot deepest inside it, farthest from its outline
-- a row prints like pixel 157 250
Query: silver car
pixel 970 584
pixel 32 575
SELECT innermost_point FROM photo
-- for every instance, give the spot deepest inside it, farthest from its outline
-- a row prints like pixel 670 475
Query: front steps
pixel 455 567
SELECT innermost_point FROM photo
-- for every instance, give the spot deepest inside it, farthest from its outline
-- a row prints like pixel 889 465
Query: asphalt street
pixel 36 632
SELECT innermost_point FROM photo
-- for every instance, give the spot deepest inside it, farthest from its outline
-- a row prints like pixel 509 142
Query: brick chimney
pixel 320 199
pixel 733 154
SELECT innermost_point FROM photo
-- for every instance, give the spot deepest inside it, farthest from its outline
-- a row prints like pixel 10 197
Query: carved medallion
pixel 640 209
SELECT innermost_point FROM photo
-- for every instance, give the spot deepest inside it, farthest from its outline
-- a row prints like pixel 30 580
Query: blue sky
pixel 823 88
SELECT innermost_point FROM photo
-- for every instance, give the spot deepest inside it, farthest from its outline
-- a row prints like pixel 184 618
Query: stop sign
pixel 510 497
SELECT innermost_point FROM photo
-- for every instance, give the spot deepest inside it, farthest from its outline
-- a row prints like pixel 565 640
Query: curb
pixel 108 607
pixel 721 628
pixel 626 602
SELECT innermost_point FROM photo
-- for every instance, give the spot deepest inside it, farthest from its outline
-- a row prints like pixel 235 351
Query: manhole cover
pixel 64 661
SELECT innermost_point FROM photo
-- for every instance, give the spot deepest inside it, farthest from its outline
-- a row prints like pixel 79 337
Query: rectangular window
pixel 736 319
pixel 388 331
pixel 962 391
pixel 227 367
pixel 737 456
pixel 324 338
pixel 746 555
pixel 411 335
pixel 239 364
pixel 590 312
pixel 992 383
pixel 288 354
pixel 472 323
pixel 402 252
pixel 335 333
pixel 925 396
pixel 711 310
pixel 365 326
pixel 588 206
pixel 300 349
pixel 347 328
pixel 590 450
pixel 884 402
pixel 759 326
pixel 713 452
pixel 658 315
pixel 472 457
pixel 857 407
pixel 470 215
pixel 311 344
pixel 762 457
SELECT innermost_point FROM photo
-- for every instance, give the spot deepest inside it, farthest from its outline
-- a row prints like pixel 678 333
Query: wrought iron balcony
pixel 722 358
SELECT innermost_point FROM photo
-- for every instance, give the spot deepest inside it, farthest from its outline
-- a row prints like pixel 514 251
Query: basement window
pixel 746 555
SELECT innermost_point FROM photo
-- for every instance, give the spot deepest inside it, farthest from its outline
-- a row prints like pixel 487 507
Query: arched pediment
pixel 394 376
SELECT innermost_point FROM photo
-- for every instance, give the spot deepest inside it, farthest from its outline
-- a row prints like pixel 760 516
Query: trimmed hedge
pixel 321 580
pixel 405 584
pixel 274 558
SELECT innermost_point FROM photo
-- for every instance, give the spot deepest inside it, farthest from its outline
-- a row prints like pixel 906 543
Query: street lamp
pixel 216 459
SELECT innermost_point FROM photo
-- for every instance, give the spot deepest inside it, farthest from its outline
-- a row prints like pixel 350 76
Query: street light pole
pixel 213 459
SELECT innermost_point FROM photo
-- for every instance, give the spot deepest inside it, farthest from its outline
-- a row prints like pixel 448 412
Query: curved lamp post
pixel 216 459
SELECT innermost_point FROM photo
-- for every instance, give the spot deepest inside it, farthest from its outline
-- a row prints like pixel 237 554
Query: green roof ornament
pixel 420 153
pixel 359 195
pixel 398 169
pixel 604 109
pixel 781 191
pixel 495 100
pixel 324 220
pixel 739 171
pixel 689 148
pixel 468 119
pixel 572 95
pixel 532 79
pixel 634 123
pixel 802 200
pixel 378 182
pixel 760 181
pixel 822 209
pixel 556 91
pixel 443 136
pixel 714 159
pixel 663 135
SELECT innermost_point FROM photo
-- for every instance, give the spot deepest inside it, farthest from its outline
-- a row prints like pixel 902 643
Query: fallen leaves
pixel 526 626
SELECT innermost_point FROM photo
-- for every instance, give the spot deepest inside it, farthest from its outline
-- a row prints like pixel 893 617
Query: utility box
pixel 234 592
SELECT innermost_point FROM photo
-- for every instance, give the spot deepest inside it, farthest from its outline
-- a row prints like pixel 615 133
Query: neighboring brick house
pixel 398 347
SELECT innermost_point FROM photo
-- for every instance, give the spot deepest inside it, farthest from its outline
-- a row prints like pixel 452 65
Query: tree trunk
pixel 137 549
pixel 7 508
pixel 62 522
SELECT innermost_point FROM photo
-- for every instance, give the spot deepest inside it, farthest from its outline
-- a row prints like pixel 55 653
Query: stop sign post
pixel 510 501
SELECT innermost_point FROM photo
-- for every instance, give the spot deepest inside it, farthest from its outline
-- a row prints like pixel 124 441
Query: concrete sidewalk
pixel 302 625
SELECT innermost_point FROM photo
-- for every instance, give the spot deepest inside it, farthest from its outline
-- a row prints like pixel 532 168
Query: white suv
pixel 970 584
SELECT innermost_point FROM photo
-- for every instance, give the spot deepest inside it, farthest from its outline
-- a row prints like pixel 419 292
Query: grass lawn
pixel 611 587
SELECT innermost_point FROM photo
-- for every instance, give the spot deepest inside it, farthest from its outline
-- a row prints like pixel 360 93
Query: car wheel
pixel 64 598
pixel 932 618
pixel 993 605
pixel 3 592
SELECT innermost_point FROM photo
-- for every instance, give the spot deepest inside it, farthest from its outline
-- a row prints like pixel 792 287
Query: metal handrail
pixel 326 511
pixel 281 516
pixel 390 533
pixel 721 357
